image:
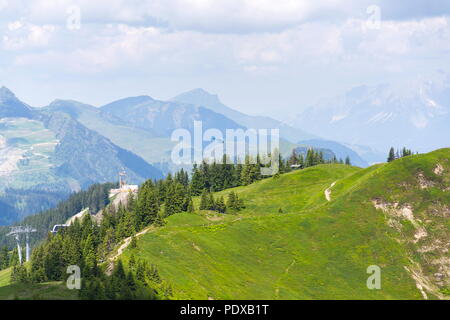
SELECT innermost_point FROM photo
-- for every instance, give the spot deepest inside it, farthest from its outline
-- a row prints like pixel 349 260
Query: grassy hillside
pixel 42 291
pixel 393 215
pixel 26 147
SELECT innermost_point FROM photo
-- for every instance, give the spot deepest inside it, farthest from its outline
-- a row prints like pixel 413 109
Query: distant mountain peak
pixel 6 94
pixel 10 106
pixel 201 91
pixel 123 103
pixel 198 96
pixel 59 102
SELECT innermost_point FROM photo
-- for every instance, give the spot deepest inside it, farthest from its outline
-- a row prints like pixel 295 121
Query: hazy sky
pixel 261 57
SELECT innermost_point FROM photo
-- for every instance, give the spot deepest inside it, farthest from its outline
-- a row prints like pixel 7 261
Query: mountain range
pixel 69 145
pixel 384 115
pixel 44 156
pixel 143 125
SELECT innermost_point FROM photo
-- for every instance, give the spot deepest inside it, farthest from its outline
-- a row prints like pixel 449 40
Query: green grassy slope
pixel 41 291
pixel 26 149
pixel 315 249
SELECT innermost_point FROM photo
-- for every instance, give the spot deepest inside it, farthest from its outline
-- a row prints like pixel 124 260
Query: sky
pixel 261 57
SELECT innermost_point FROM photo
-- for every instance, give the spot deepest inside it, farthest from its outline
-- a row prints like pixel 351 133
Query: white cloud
pixel 27 36
pixel 15 25
pixel 200 39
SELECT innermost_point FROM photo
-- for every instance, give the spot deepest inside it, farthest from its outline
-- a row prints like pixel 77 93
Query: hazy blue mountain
pixel 201 97
pixel 327 153
pixel 144 125
pixel 10 106
pixel 141 124
pixel 338 149
pixel 162 117
pixel 143 142
pixel 89 157
pixel 383 116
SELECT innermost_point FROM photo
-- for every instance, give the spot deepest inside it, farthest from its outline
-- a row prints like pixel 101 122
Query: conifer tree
pixel 190 207
pixel 347 160
pixel 197 181
pixel 391 156
pixel 220 205
pixel 211 201
pixel 231 200
pixel 204 200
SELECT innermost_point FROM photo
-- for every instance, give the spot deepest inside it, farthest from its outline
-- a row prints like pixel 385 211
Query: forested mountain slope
pixel 45 156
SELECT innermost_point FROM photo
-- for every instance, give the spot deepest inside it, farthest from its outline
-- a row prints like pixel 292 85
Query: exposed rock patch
pixel 424 183
pixel 433 251
pixel 438 170
pixel 439 210
pixel 442 277
pixel 396 213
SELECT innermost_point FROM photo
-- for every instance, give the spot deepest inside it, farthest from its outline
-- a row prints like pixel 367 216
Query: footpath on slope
pixel 122 248
pixel 328 191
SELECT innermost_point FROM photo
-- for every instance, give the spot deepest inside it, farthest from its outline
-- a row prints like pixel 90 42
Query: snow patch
pixel 337 118
pixel 381 117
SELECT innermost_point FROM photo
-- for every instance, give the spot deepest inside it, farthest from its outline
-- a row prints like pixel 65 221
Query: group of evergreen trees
pixel 313 157
pixel 86 244
pixel 208 202
pixel 138 283
pixel 219 176
pixel 398 154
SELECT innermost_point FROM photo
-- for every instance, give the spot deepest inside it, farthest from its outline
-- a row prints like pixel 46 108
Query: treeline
pixel 219 176
pixel 312 157
pixel 393 155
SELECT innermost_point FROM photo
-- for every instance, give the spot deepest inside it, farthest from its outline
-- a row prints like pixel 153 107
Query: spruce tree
pixel 204 200
pixel 220 205
pixel 231 200
pixel 347 160
pixel 190 207
pixel 391 156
